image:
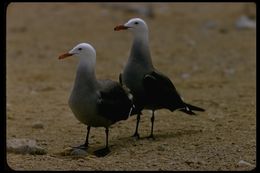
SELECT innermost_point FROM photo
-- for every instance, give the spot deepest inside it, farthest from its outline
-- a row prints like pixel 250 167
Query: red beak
pixel 65 55
pixel 121 27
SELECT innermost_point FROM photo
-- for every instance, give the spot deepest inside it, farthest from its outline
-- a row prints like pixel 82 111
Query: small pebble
pixel 243 163
pixel 229 71
pixel 185 75
pixel 24 146
pixel 38 125
pixel 210 24
pixel 245 22
pixel 78 152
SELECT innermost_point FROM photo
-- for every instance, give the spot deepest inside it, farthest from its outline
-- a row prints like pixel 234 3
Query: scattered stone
pixel 210 24
pixel 161 148
pixel 69 151
pixel 78 152
pixel 243 163
pixel 38 125
pixel 24 146
pixel 229 71
pixel 245 22
pixel 185 75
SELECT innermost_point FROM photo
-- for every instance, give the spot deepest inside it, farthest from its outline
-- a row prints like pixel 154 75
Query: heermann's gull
pixel 150 88
pixel 96 103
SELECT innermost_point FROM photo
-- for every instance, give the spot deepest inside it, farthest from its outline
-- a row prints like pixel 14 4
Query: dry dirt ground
pixel 210 61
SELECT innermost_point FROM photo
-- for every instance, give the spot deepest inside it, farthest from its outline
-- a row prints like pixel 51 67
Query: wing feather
pixel 113 102
pixel 161 91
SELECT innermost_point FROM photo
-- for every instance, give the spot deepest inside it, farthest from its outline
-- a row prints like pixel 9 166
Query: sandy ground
pixel 212 64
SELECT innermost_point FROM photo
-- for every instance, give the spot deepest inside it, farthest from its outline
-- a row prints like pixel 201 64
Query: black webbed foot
pixel 136 136
pixel 151 137
pixel 102 152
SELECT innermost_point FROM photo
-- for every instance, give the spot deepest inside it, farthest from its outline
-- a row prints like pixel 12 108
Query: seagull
pixel 96 103
pixel 151 89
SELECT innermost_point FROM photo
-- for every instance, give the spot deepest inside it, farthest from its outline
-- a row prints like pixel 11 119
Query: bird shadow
pixel 159 136
pixel 127 141
pixel 178 133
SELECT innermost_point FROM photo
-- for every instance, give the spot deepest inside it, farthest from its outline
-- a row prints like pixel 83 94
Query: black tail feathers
pixel 189 108
pixel 195 108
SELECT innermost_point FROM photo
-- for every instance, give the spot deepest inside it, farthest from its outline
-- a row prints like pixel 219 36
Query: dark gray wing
pixel 113 102
pixel 161 92
pixel 135 110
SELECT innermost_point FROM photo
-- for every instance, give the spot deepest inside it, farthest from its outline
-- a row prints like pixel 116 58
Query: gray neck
pixel 86 77
pixel 140 51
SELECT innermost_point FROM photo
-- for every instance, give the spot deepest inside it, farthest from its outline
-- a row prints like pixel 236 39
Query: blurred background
pixel 208 50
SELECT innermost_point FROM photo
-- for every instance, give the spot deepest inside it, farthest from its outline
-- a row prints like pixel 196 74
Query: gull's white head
pixel 136 25
pixel 81 50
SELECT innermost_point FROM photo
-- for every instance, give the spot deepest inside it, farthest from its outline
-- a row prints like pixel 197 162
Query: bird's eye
pixel 80 48
pixel 136 23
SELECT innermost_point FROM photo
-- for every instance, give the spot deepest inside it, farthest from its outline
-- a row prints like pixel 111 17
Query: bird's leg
pixel 152 120
pixel 136 134
pixel 86 141
pixel 85 145
pixel 107 130
pixel 104 151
